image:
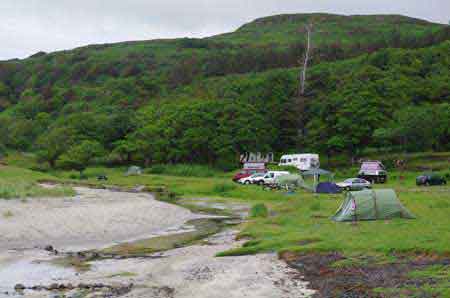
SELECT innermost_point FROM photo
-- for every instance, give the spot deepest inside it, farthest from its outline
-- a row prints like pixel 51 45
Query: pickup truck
pixel 373 171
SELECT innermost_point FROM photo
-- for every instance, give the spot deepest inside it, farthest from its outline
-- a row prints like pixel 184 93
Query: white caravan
pixel 303 162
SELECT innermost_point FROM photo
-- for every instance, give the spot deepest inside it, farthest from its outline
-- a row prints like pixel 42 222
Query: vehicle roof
pixel 352 179
pixel 301 154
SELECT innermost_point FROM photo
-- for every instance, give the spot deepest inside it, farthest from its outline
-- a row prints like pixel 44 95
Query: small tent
pixel 316 174
pixel 328 187
pixel 290 181
pixel 371 205
pixel 133 171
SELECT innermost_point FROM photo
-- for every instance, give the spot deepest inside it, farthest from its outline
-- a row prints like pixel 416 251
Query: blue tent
pixel 327 187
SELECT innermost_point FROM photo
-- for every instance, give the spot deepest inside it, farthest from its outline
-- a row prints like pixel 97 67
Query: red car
pixel 244 173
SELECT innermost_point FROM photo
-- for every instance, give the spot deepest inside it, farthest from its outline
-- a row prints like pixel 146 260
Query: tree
pixel 125 149
pixel 79 156
pixel 55 143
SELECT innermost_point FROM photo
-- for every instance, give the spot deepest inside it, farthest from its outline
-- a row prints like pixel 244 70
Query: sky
pixel 30 26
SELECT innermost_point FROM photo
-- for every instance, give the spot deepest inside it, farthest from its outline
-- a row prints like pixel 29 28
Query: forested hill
pixel 205 100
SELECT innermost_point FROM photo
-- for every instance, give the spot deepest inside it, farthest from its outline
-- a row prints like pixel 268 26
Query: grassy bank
pixel 22 183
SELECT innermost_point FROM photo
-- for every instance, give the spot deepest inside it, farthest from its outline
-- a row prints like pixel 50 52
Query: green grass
pixel 22 183
pixel 184 170
pixel 259 210
pixel 305 216
pixel 439 287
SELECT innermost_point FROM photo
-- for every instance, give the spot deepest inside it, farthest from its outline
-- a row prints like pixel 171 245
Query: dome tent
pixel 133 171
pixel 371 205
pixel 290 181
pixel 328 187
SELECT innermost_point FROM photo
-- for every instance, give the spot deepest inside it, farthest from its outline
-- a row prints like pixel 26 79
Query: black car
pixel 430 179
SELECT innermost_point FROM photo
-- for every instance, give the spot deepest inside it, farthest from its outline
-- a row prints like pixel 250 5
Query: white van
pixel 303 162
pixel 270 177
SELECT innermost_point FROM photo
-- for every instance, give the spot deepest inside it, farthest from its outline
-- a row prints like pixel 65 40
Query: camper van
pixel 303 162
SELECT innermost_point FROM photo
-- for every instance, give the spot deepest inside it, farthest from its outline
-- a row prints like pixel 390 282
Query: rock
pixel 83 286
pixel 139 188
pixel 19 287
pixel 49 248
pixel 53 287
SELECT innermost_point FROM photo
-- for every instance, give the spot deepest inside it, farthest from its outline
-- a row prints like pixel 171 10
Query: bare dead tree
pixel 309 29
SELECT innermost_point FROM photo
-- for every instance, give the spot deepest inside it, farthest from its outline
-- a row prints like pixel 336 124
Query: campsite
pixel 298 227
pixel 226 149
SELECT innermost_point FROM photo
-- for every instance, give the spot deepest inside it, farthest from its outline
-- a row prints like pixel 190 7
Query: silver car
pixel 354 184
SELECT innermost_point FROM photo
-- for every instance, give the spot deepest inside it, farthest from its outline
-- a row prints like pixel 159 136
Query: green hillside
pixel 374 82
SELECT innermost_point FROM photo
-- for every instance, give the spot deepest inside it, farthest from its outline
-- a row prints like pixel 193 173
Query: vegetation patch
pixel 7 214
pixel 122 274
pixel 184 170
pixel 16 183
pixel 335 275
pixel 259 210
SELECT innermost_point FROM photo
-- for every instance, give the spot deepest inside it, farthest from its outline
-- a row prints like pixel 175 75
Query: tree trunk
pixel 306 60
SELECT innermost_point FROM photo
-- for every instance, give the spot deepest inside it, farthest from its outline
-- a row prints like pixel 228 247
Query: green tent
pixel 291 182
pixel 133 171
pixel 371 205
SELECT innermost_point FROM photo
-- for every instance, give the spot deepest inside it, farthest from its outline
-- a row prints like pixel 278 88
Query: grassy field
pixel 22 183
pixel 300 223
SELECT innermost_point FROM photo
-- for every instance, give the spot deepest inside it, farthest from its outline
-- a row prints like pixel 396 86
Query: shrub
pixel 222 188
pixel 259 211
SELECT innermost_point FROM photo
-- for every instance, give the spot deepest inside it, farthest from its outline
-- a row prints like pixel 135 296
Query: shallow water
pixel 30 273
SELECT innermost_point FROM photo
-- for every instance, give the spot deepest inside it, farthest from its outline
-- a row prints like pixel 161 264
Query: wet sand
pixel 96 218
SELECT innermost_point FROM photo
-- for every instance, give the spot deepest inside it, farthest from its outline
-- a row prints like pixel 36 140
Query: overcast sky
pixel 29 26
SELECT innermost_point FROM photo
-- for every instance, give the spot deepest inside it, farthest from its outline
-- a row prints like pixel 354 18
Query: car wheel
pixel 247 182
pixel 427 183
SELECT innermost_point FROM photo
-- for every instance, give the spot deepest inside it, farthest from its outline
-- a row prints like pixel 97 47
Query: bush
pixel 222 188
pixel 259 211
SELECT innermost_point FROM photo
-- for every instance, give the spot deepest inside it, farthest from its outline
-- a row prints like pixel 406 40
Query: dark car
pixel 430 179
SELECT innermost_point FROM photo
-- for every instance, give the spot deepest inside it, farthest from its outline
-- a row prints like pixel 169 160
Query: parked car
pixel 374 171
pixel 354 184
pixel 430 179
pixel 269 177
pixel 244 173
pixel 303 162
pixel 253 179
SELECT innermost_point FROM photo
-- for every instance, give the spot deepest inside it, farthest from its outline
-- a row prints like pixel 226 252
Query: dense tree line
pixel 209 100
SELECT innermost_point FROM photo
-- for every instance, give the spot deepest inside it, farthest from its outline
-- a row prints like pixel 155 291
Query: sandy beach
pixel 98 218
